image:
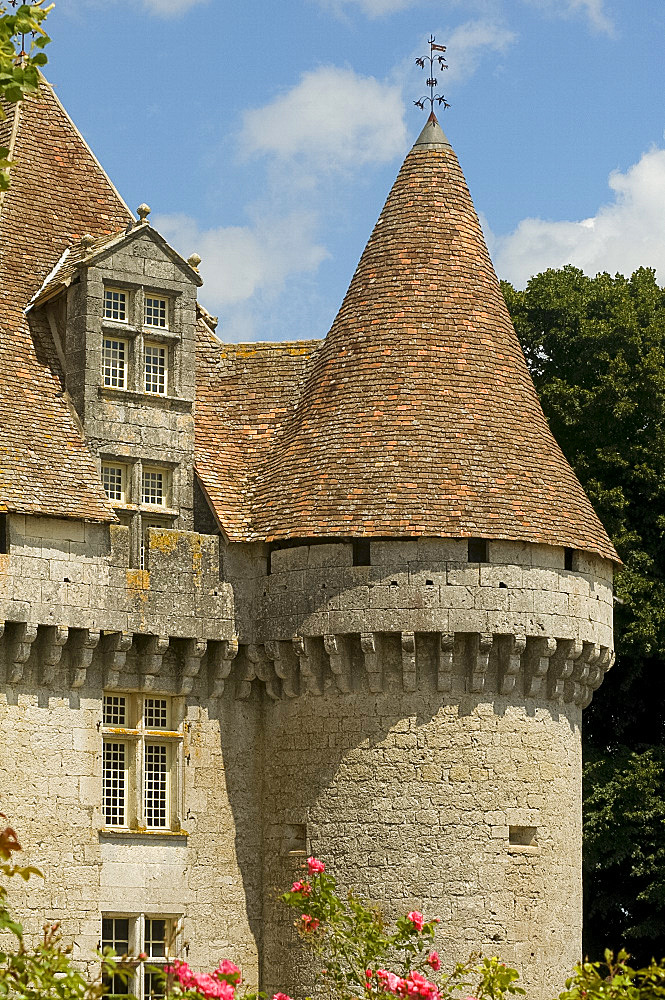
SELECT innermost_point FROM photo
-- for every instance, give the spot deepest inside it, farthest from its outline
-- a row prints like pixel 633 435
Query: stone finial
pixel 143 211
pixel 87 240
pixel 194 260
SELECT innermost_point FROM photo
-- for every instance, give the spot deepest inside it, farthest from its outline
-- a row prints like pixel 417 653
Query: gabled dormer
pixel 122 311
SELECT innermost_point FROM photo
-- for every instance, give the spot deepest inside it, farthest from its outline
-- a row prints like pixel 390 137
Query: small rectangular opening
pixel 4 534
pixel 568 558
pixel 361 552
pixel 522 836
pixel 478 550
pixel 295 838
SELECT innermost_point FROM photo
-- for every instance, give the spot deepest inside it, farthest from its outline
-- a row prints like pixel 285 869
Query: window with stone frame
pixel 155 484
pixel 114 481
pixel 141 752
pixel 156 936
pixel 116 305
pixel 115 354
pixel 155 373
pixel 156 312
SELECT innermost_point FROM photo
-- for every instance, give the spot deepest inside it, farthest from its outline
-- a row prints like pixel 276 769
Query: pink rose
pixel 230 970
pixel 434 961
pixel 315 867
pixel 418 986
pixel 280 996
pixel 391 982
pixel 302 887
pixel 417 919
pixel 368 974
pixel 309 923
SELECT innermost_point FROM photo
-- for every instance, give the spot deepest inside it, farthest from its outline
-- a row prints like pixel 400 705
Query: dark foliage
pixel 596 350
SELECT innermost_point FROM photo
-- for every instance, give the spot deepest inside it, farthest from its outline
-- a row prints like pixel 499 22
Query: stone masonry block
pixel 515 553
pixel 283 560
pixel 393 553
pixel 509 576
pixel 333 554
pixel 463 575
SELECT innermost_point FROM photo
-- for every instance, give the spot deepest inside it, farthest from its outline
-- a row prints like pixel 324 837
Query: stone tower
pixel 449 588
pixel 342 596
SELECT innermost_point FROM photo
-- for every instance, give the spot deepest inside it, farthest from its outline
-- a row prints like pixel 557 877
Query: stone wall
pixel 77 575
pixel 417 801
pixel 206 871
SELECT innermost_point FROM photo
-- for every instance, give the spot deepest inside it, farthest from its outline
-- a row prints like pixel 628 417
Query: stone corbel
pixel 444 666
pixel 560 686
pixel 539 652
pixel 261 668
pixel 597 670
pixel 115 647
pixel 339 661
pixel 511 651
pixel 302 647
pixel 284 668
pixel 372 663
pixel 193 652
pixel 480 647
pixel 584 672
pixel 409 661
pixel 220 659
pixel 55 637
pixel 21 639
pixel 83 648
pixel 151 659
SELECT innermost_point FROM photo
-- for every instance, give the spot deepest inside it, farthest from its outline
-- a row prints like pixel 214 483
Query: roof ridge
pixel 76 129
pixel 12 140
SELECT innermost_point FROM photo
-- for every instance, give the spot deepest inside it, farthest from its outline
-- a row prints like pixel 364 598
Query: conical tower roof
pixel 419 416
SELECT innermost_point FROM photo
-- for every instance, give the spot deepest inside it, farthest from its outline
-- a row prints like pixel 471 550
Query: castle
pixel 342 597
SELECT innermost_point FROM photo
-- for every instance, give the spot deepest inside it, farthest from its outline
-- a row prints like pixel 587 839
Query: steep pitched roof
pixel 58 192
pixel 418 415
pixel 243 393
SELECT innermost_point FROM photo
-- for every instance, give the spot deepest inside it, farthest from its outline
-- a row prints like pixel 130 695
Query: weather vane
pixel 432 81
pixel 22 55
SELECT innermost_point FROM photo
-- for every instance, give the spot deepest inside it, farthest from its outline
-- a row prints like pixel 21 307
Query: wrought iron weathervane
pixel 22 55
pixel 432 81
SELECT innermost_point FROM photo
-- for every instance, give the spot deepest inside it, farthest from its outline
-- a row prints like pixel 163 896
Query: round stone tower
pixel 438 609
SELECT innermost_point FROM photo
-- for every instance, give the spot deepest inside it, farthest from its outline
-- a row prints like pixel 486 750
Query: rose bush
pixel 362 957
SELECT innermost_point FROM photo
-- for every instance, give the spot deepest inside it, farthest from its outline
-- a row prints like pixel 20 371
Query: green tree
pixel 596 350
pixel 19 68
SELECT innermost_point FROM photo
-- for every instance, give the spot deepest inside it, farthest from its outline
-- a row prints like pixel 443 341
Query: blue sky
pixel 265 136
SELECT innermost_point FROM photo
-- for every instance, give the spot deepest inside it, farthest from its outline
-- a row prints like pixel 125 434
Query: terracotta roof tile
pixel 58 193
pixel 243 394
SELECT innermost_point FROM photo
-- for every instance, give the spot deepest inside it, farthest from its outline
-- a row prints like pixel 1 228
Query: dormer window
pixel 113 481
pixel 156 312
pixel 114 363
pixel 115 305
pixel 154 487
pixel 155 360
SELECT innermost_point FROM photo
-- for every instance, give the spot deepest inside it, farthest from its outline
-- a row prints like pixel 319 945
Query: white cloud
pixel 593 9
pixel 240 261
pixel 466 43
pixel 332 119
pixel 170 8
pixel 625 233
